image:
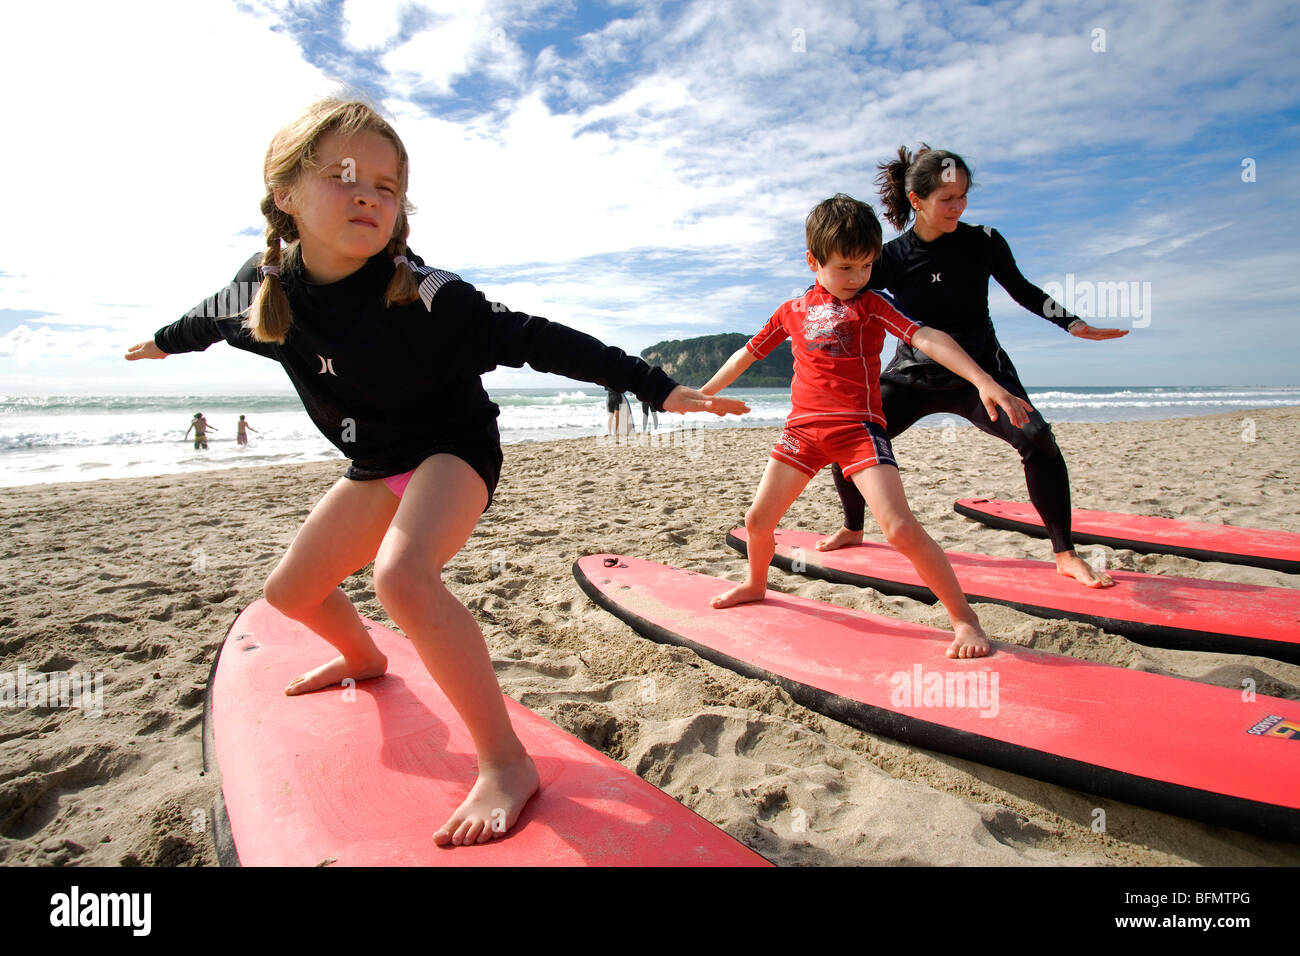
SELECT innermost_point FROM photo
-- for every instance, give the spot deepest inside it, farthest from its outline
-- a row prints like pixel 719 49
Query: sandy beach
pixel 141 578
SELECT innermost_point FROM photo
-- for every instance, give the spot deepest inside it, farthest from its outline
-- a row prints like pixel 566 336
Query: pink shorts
pixel 851 445
pixel 397 483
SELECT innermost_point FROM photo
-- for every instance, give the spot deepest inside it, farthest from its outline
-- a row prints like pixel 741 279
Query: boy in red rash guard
pixel 836 414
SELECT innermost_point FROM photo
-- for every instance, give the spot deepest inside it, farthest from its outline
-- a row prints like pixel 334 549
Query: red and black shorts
pixel 851 445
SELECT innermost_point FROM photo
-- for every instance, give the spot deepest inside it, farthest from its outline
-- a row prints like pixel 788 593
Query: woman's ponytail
pixel 892 180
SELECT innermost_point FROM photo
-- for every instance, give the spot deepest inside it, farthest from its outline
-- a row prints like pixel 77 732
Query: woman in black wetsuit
pixel 938 273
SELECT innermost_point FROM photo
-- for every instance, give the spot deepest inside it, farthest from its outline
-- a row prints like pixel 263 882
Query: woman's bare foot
pixel 970 641
pixel 493 805
pixel 1069 564
pixel 741 594
pixel 840 539
pixel 335 672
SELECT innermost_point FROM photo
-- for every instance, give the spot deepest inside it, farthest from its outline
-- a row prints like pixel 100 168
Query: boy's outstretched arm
pixel 943 348
pixel 731 370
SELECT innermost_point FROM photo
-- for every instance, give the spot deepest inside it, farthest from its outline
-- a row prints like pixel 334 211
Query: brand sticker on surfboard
pixel 1275 726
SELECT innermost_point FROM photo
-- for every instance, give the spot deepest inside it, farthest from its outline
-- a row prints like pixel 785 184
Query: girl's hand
pixel 994 396
pixel 1082 330
pixel 683 399
pixel 145 350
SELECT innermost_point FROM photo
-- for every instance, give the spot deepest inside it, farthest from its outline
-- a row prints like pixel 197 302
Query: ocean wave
pixel 1120 397
pixel 1170 403
pixel 127 404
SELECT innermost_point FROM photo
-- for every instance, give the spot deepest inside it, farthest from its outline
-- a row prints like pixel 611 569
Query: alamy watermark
pixel 235 299
pixel 649 690
pixel 1099 300
pixel 977 690
pixel 69 689
pixel 691 440
pixel 75 908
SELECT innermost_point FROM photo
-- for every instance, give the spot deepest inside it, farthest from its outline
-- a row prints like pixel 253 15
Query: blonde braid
pixel 270 317
pixel 402 288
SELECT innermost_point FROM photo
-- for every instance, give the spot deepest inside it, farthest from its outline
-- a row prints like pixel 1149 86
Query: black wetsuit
pixel 944 284
pixel 391 386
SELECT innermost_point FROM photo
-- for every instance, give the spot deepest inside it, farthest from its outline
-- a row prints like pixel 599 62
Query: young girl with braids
pixel 938 273
pixel 374 341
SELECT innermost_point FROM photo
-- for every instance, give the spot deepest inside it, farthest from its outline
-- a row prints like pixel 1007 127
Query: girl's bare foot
pixel 741 594
pixel 493 805
pixel 1071 565
pixel 335 672
pixel 970 641
pixel 840 539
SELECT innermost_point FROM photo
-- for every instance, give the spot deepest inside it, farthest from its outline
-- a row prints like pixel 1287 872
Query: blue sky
pixel 642 171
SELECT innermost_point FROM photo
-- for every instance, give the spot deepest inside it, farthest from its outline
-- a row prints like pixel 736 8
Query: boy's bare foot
pixel 493 805
pixel 840 539
pixel 335 672
pixel 1071 565
pixel 741 594
pixel 970 641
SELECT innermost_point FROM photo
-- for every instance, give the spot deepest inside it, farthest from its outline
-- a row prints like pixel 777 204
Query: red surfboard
pixel 1275 550
pixel 363 775
pixel 1175 745
pixel 1156 609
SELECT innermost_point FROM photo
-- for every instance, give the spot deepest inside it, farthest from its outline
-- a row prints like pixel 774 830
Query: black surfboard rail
pixel 1252 816
pixel 223 839
pixel 1153 635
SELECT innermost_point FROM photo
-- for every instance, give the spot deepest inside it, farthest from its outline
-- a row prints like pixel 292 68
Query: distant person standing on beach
pixel 613 405
pixel 200 426
pixel 938 272
pixel 241 431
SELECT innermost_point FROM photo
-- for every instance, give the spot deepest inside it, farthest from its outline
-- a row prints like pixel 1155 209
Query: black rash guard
pixel 389 386
pixel 945 284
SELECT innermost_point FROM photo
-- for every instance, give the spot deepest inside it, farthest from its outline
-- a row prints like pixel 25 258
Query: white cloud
pixel 459 37
pixel 697 139
pixel 141 151
pixel 372 24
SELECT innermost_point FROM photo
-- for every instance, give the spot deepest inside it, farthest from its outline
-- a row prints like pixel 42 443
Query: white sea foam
pixel 74 438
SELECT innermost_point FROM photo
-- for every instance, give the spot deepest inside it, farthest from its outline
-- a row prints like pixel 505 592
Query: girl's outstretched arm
pixel 499 336
pixel 218 317
pixel 683 399
pixel 144 350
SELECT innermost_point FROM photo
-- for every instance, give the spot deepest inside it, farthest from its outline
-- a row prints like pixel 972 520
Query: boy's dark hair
pixel 842 225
